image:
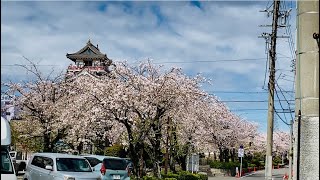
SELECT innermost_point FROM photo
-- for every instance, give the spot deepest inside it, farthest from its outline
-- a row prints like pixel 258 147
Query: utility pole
pixel 307 91
pixel 271 86
pixel 291 151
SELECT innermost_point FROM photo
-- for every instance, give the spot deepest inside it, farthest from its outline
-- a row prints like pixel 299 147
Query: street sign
pixel 192 162
pixel 240 152
pixel 240 155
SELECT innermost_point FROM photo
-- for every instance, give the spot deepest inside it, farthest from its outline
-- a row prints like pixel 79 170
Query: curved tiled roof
pixel 88 52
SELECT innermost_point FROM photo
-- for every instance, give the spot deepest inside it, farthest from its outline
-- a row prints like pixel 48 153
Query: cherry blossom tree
pixel 141 99
pixel 281 142
pixel 42 102
pixel 142 107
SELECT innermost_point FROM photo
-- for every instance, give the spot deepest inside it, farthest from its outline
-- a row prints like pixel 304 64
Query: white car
pixel 56 166
pixel 7 168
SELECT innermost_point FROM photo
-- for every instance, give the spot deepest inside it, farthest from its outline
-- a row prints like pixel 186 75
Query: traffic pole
pixel 240 166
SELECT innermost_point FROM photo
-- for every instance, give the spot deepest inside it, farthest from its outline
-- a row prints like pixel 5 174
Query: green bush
pixel 203 177
pixel 115 150
pixel 185 175
pixel 276 160
pixel 150 178
pixel 182 175
pixel 133 177
pixel 256 162
pixel 170 175
pixel 225 165
pixel 216 164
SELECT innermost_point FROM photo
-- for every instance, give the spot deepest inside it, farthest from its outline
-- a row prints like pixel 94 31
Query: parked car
pixel 110 168
pixel 20 160
pixel 7 169
pixel 95 161
pixel 56 166
pixel 129 164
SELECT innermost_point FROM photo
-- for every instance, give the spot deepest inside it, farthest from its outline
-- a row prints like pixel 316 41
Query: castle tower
pixel 90 60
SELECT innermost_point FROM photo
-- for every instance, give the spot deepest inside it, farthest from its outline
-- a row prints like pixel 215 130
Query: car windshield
pixel 115 164
pixel 93 161
pixel 73 165
pixel 6 166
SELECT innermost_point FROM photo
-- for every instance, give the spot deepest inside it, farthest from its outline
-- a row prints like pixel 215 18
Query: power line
pixel 237 92
pixel 262 110
pixel 280 103
pixel 168 62
pixel 284 98
pixel 245 101
pixel 243 92
pixel 29 65
pixel 209 61
pixel 282 119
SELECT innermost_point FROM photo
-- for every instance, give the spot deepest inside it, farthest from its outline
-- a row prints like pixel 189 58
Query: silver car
pixel 55 166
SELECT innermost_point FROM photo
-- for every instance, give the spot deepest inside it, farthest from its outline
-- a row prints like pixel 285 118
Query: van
pixel 7 168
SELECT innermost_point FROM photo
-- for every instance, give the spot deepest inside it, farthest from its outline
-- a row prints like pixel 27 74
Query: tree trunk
pixel 220 154
pixel 140 150
pixel 226 155
pixel 173 145
pixel 156 127
pixel 135 152
pixel 233 154
pixel 183 163
pixel 172 165
pixel 80 147
pixel 46 140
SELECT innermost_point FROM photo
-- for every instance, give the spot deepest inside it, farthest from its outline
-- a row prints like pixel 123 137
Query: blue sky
pixel 200 37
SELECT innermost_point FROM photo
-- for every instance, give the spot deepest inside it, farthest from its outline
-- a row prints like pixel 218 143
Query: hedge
pixel 182 175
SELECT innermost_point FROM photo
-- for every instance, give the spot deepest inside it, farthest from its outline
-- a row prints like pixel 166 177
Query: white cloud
pixel 165 32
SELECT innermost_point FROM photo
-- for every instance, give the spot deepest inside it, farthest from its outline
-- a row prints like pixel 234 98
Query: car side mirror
pixel 49 167
pixel 93 169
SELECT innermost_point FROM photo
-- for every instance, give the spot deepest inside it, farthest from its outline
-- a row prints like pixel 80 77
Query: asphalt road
pixel 277 174
pixel 259 175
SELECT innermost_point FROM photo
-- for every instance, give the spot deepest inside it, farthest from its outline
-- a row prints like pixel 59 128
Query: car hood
pixel 81 175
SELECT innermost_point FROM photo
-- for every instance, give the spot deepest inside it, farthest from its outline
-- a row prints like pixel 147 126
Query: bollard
pixel 254 169
pixel 285 177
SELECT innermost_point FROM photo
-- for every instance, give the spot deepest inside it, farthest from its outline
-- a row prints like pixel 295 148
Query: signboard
pixel 193 163
pixel 240 155
pixel 240 152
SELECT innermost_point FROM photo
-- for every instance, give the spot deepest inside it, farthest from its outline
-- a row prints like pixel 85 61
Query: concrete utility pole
pixel 307 89
pixel 291 151
pixel 272 54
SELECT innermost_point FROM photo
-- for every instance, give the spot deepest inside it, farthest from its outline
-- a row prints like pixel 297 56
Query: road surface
pixel 277 174
pixel 259 175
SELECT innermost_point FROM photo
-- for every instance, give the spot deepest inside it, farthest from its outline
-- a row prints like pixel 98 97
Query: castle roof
pixel 88 52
